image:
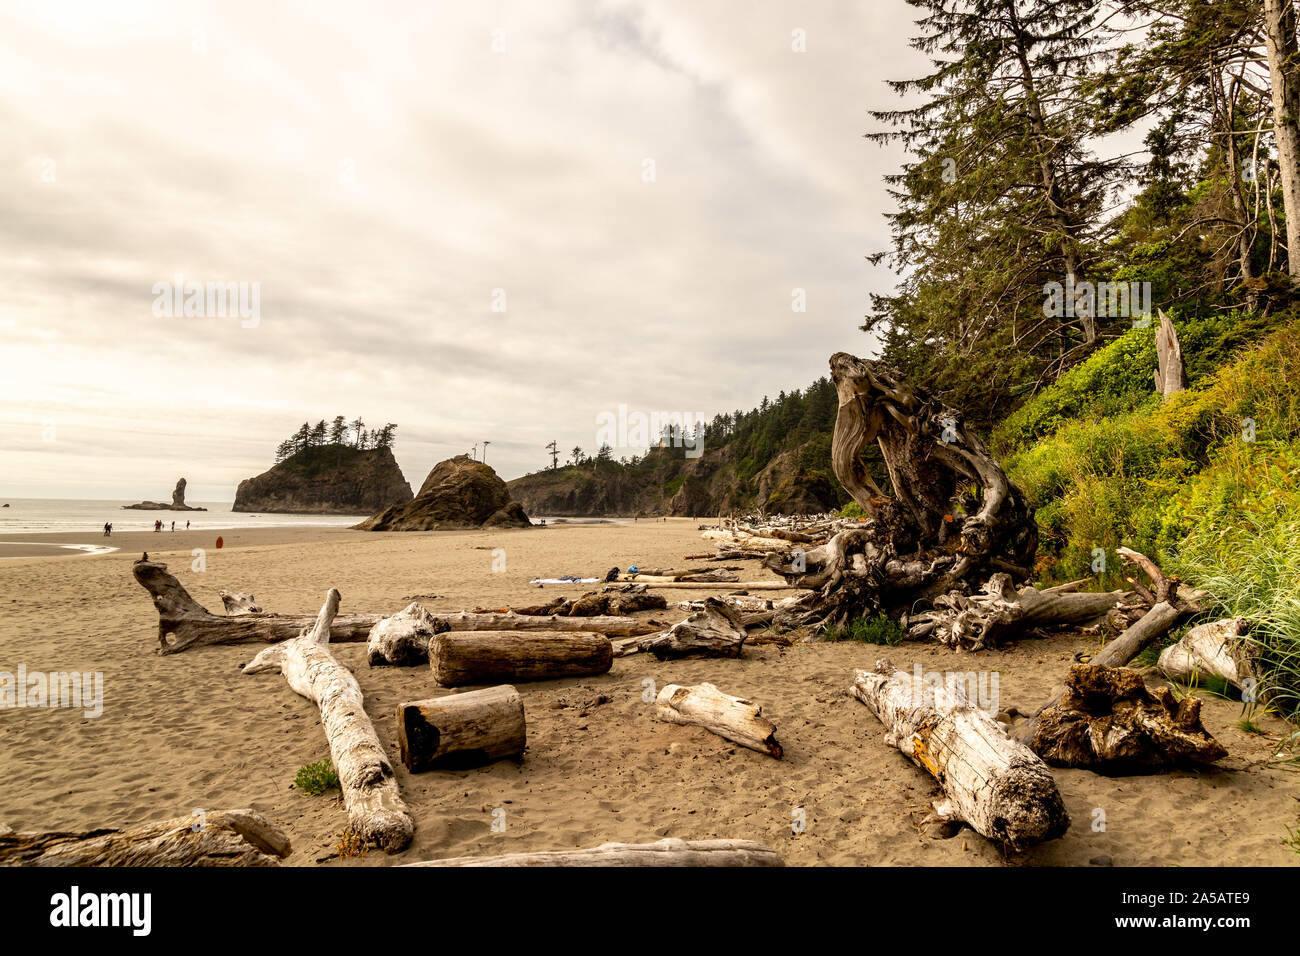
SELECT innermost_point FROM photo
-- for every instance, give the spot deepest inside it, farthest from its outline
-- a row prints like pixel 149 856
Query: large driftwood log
pixel 716 631
pixel 734 718
pixel 1108 721
pixel 928 536
pixel 996 785
pixel 616 600
pixel 376 812
pixel 1218 649
pixel 189 624
pixel 662 853
pixel 496 657
pixel 462 730
pixel 1000 611
pixel 208 838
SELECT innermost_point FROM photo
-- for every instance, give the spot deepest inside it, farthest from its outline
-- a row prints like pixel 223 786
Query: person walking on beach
pixel 187 526
pixel 173 527
pixel 108 528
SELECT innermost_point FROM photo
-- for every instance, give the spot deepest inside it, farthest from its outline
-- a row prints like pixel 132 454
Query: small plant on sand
pixel 317 778
pixel 880 629
pixel 351 844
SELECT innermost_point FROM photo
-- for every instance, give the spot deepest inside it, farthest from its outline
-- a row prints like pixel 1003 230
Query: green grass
pixel 317 778
pixel 880 629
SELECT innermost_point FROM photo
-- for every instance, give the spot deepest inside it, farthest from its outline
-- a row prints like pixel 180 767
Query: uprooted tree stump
pixel 997 786
pixel 375 808
pixel 1108 721
pixel 207 838
pixel 952 519
pixel 716 630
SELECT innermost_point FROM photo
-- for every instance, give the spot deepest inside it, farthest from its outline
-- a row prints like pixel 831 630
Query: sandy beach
pixel 189 731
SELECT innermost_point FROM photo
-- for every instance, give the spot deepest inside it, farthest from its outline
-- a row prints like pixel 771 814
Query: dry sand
pixel 189 731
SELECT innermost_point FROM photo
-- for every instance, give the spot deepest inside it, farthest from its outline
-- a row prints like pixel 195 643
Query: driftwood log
pixel 210 838
pixel 1000 611
pixel 189 624
pixel 717 630
pixel 403 639
pixel 661 853
pixel 612 600
pixel 496 657
pixel 996 785
pixel 376 812
pixel 927 536
pixel 1219 649
pixel 1109 722
pixel 462 730
pixel 734 718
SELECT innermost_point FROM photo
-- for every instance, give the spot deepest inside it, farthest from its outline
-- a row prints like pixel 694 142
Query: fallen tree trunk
pixel 376 812
pixel 716 631
pixel 1109 722
pixel 497 657
pixel 662 853
pixel 189 624
pixel 403 639
pixel 734 718
pixel 996 785
pixel 616 600
pixel 1219 649
pixel 212 838
pixel 462 730
pixel 731 586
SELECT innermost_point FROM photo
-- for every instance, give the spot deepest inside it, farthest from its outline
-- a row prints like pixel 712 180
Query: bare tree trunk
pixel 1284 74
pixel 1169 359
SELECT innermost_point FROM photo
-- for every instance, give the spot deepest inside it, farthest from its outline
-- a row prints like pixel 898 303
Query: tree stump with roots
pixel 952 517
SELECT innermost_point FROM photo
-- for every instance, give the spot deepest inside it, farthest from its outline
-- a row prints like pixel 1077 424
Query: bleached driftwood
pixel 239 603
pixel 189 624
pixel 462 730
pixel 996 785
pixel 1108 721
pixel 734 718
pixel 715 631
pixel 1000 611
pixel 1218 649
pixel 497 657
pixel 208 838
pixel 661 853
pixel 402 639
pixel 613 599
pixel 376 812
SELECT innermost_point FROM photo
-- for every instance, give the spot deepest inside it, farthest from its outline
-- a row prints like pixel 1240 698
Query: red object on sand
pixel 218 541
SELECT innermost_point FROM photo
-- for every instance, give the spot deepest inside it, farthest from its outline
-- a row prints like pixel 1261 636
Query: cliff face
pixel 327 480
pixel 665 483
pixel 459 493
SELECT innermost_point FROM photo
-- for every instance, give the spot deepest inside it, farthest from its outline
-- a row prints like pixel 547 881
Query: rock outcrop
pixel 328 480
pixel 459 493
pixel 178 502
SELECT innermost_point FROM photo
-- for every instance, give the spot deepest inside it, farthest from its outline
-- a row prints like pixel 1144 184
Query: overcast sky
pixel 645 183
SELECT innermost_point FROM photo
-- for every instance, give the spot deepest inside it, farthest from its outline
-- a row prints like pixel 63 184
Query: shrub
pixel 317 778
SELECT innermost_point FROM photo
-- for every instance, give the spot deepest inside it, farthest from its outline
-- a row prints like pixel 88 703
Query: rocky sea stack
pixel 459 493
pixel 324 480
pixel 178 502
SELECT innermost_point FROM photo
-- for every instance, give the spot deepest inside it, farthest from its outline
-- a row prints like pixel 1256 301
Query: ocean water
pixel 35 515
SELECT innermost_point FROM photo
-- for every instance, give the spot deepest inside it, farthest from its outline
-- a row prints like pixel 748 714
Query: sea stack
pixel 178 502
pixel 459 493
pixel 333 479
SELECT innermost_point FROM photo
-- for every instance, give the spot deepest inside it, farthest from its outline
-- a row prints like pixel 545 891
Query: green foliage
pixel 317 778
pixel 852 510
pixel 880 629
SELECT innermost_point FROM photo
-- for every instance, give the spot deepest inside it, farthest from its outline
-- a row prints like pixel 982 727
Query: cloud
pixel 381 173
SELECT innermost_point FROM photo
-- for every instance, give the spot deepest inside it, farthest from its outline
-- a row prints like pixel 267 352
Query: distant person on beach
pixel 108 529
pixel 187 526
pixel 173 527
pixel 157 525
